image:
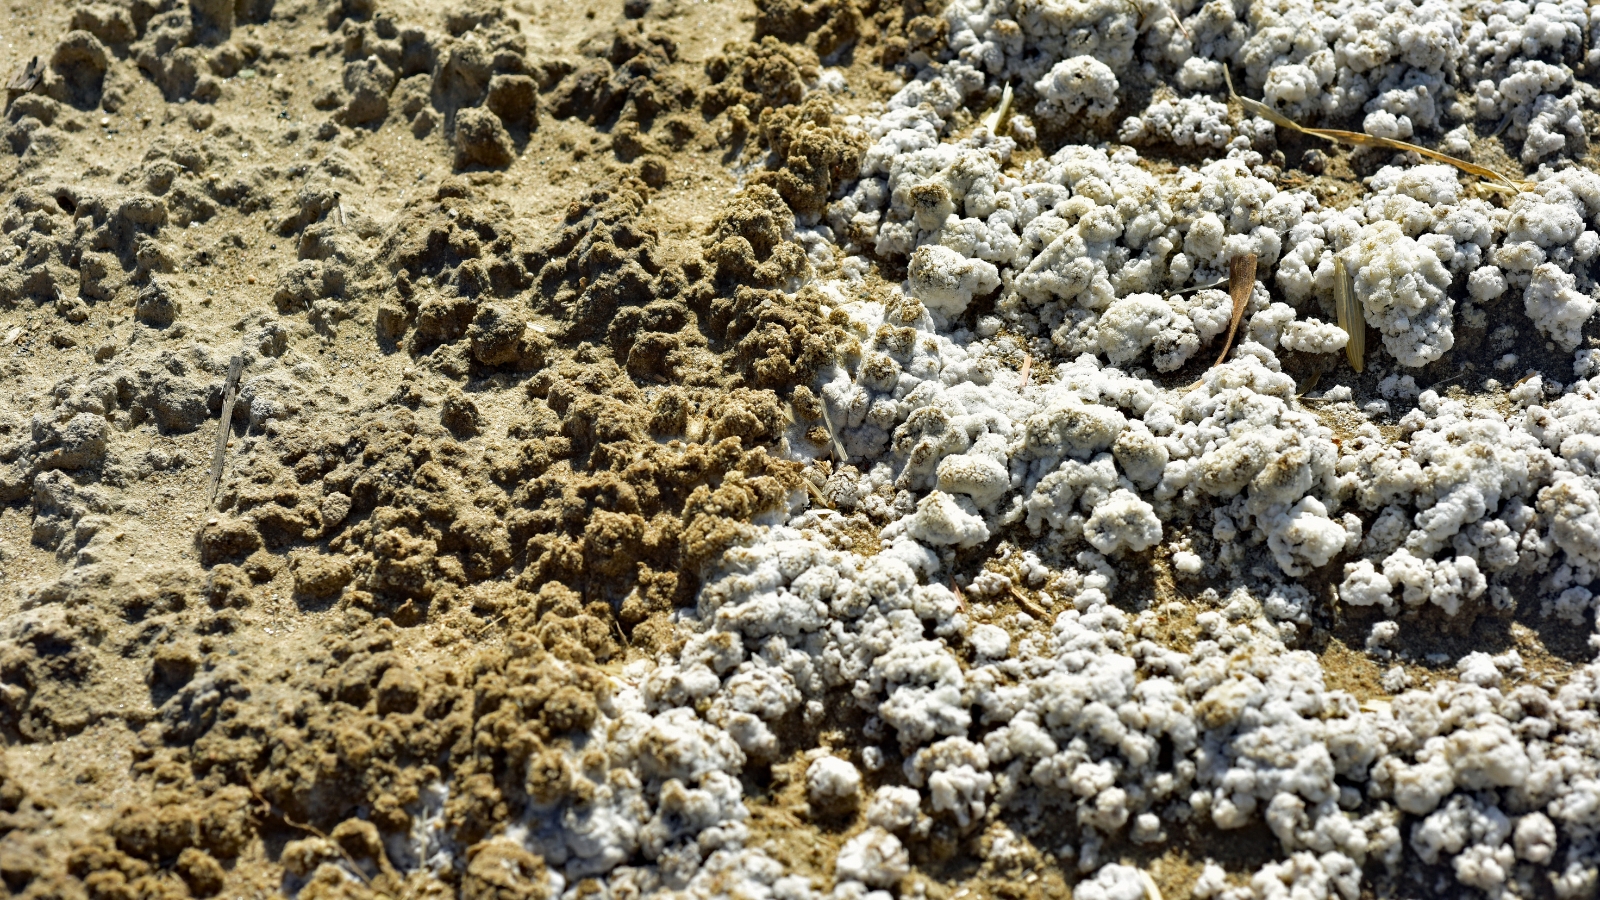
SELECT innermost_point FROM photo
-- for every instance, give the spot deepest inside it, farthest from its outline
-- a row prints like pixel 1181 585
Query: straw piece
pixel 835 447
pixel 1344 296
pixel 1151 892
pixel 996 118
pixel 816 492
pixel 1241 284
pixel 1196 288
pixel 1028 606
pixel 1362 139
pixel 229 391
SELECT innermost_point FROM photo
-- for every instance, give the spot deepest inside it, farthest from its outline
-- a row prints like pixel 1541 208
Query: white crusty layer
pixel 1101 270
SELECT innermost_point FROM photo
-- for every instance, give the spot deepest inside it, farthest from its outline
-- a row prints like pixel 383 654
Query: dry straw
pixel 1360 139
pixel 1344 295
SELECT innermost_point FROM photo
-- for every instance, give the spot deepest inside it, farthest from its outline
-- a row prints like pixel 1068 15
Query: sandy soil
pixel 512 368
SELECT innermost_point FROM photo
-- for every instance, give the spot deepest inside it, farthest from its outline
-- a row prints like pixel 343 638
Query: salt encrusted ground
pixel 692 449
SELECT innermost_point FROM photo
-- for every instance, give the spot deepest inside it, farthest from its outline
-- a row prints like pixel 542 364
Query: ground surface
pixel 250 140
pixel 518 363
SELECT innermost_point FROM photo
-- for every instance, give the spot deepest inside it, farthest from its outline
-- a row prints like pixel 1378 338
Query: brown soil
pixel 515 369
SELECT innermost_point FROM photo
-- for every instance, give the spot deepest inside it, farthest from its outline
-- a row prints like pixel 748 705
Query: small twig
pixel 998 117
pixel 816 492
pixel 1173 12
pixel 834 446
pixel 235 366
pixel 1028 605
pixel 1362 139
pixel 26 77
pixel 960 597
pixel 1344 300
pixel 1241 284
pixel 1151 892
pixel 1197 287
pixel 489 626
pixel 1027 369
pixel 1137 11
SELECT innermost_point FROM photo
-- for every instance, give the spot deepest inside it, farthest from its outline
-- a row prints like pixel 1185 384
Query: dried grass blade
pixel 1028 606
pixel 1256 107
pixel 835 447
pixel 1196 288
pixel 1368 140
pixel 1344 296
pixel 816 492
pixel 1241 284
pixel 1027 369
pixel 230 391
pixel 996 118
pixel 1151 892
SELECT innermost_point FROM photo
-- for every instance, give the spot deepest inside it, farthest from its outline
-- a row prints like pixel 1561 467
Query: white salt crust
pixel 1423 503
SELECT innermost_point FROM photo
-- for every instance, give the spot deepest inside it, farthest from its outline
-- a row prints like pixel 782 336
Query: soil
pixel 506 282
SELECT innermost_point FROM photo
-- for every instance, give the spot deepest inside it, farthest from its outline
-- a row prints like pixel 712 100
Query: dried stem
pixel 1344 296
pixel 1241 284
pixel 1028 606
pixel 229 393
pixel 1361 139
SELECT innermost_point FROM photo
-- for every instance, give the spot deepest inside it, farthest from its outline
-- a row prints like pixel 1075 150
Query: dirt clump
pixel 501 406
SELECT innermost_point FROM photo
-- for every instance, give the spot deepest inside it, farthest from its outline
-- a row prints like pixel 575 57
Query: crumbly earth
pixel 512 290
pixel 516 355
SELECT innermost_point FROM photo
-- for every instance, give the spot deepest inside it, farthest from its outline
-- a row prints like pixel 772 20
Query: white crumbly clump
pixel 1112 882
pixel 1556 307
pixel 1312 336
pixel 1186 122
pixel 830 780
pixel 1457 142
pixel 944 519
pixel 981 476
pixel 990 641
pixel 874 857
pixel 946 281
pixel 1081 84
pixel 1199 74
pixel 1131 325
pixel 1403 289
pixel 1122 522
pixel 1017 37
pixel 1385 124
pixel 1365 585
pixel 894 808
